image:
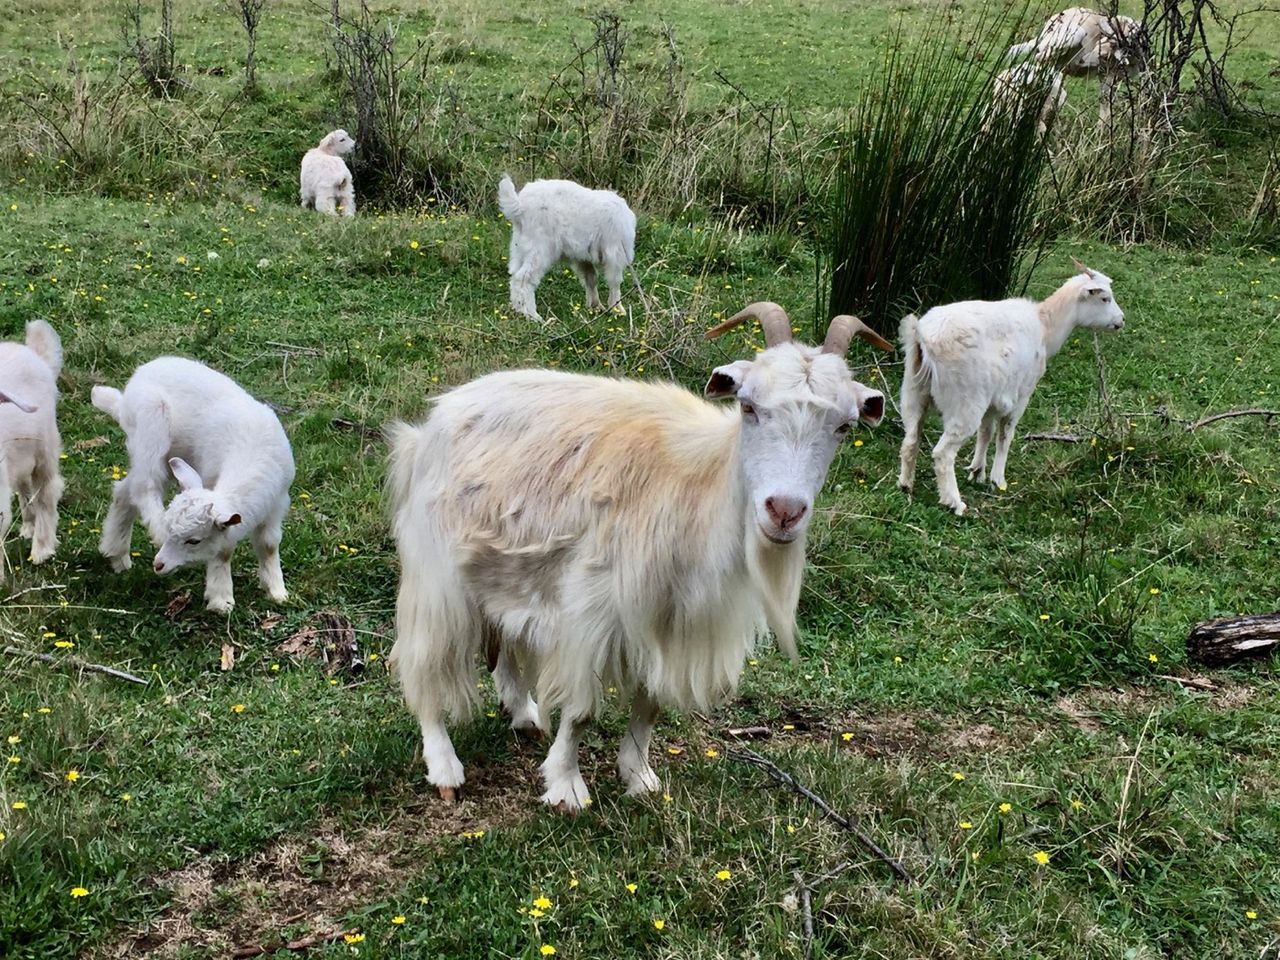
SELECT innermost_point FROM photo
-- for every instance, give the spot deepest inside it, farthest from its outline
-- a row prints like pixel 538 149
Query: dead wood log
pixel 1227 639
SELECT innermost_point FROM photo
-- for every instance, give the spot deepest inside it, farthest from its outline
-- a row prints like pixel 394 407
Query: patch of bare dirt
pixel 302 886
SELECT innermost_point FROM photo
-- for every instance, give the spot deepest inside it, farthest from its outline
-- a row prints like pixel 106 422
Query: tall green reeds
pixel 935 193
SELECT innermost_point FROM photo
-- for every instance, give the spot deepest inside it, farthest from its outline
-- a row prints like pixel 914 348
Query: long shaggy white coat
pixel 29 441
pixel 232 461
pixel 582 532
pixel 326 182
pixel 559 220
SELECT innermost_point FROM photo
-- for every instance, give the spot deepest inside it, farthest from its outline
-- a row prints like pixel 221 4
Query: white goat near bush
pixel 555 220
pixel 1082 42
pixel 1026 87
pixel 978 362
pixel 326 181
pixel 582 531
pixel 231 459
pixel 29 441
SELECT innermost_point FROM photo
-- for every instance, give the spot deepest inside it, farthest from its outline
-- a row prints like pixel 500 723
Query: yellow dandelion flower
pixel 1155 591
pixel 14 738
pixel 897 660
pixel 788 726
pixel 547 950
pixel 1044 616
pixel 1152 658
pixel 1041 858
pixel 957 776
pixel 675 751
pixel 542 903
pixel 846 736
pixel 19 804
pixel 44 710
pixel 966 825
pixel 126 797
pixel 573 882
pixel 1 836
pixel 78 892
pixel 1006 807
pixel 14 758
pixel 237 708
pixel 712 753
pixel 353 937
pixel 1077 805
pixel 667 798
pixel 63 644
pixel 73 775
pixel 398 920
pixel 791 828
pixel 536 913
pixel 1251 914
pixel 413 244
pixel 659 924
pixel 857 443
pixel 723 874
pixel 632 888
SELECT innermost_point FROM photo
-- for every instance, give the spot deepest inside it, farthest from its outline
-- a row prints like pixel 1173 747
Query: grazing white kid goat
pixel 29 441
pixel 325 179
pixel 555 220
pixel 978 362
pixel 1027 87
pixel 231 459
pixel 1083 43
pixel 582 531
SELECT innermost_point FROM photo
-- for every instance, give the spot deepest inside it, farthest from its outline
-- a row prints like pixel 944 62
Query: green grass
pixel 923 634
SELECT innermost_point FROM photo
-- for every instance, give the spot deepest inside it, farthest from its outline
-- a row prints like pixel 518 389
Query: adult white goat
pixel 325 179
pixel 29 441
pixel 1082 42
pixel 231 459
pixel 1024 88
pixel 555 220
pixel 979 361
pixel 582 530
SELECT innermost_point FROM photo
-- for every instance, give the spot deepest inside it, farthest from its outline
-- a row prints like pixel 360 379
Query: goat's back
pixel 579 223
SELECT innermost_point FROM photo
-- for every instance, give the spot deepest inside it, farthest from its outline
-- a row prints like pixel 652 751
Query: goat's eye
pixel 194 541
pixel 749 413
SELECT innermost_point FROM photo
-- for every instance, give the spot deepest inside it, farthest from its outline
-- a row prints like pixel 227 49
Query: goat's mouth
pixel 780 537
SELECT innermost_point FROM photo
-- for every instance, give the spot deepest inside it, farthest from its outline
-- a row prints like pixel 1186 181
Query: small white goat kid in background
pixel 580 531
pixel 978 362
pixel 231 459
pixel 326 181
pixel 555 220
pixel 29 441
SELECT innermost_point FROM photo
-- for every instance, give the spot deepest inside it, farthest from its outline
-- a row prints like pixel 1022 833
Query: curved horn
pixel 1080 267
pixel 842 331
pixel 774 320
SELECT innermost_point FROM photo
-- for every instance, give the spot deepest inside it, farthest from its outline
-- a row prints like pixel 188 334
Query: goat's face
pixel 196 528
pixel 797 404
pixel 1097 309
pixel 338 142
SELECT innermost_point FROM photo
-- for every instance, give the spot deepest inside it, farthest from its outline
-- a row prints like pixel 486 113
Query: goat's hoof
pixel 904 487
pixel 121 563
pixel 41 555
pixel 220 605
pixel 448 794
pixel 529 732
pixel 566 809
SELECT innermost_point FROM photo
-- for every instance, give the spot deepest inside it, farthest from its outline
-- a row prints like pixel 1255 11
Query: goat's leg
pixel 515 691
pixel 944 463
pixel 978 465
pixel 526 273
pixel 6 516
pixel 218 593
pixel 566 790
pixel 914 407
pixel 349 199
pixel 613 271
pixel 1004 440
pixel 633 755
pixel 266 544
pixel 586 272
pixel 327 202
pixel 44 508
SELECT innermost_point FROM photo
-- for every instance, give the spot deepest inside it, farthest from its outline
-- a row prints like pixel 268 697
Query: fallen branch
pixel 1250 412
pixel 1230 638
pixel 306 943
pixel 749 733
pixel 1191 683
pixel 747 755
pixel 806 906
pixel 75 662
pixel 1060 437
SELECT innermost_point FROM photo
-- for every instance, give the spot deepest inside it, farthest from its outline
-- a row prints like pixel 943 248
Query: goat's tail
pixel 508 199
pixel 107 399
pixel 1020 49
pixel 438 630
pixel 43 339
pixel 917 370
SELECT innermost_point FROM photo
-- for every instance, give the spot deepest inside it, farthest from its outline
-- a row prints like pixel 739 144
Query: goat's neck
pixel 1058 317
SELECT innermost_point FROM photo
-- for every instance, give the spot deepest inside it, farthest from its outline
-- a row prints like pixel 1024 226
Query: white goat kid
pixel 1085 43
pixel 326 181
pixel 555 220
pixel 29 441
pixel 233 464
pixel 581 531
pixel 978 362
pixel 1025 88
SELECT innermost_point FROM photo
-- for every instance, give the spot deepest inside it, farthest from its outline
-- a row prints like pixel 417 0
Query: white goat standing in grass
pixel 231 459
pixel 555 220
pixel 978 362
pixel 582 530
pixel 326 181
pixel 1027 87
pixel 29 441
pixel 1082 43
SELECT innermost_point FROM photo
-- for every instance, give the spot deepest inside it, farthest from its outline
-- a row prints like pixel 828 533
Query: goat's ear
pixel 185 474
pixel 726 381
pixel 227 520
pixel 870 407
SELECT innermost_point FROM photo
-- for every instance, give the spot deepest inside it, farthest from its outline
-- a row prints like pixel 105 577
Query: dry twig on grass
pixel 75 662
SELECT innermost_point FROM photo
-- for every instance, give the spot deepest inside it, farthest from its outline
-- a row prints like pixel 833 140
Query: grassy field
pixel 982 694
